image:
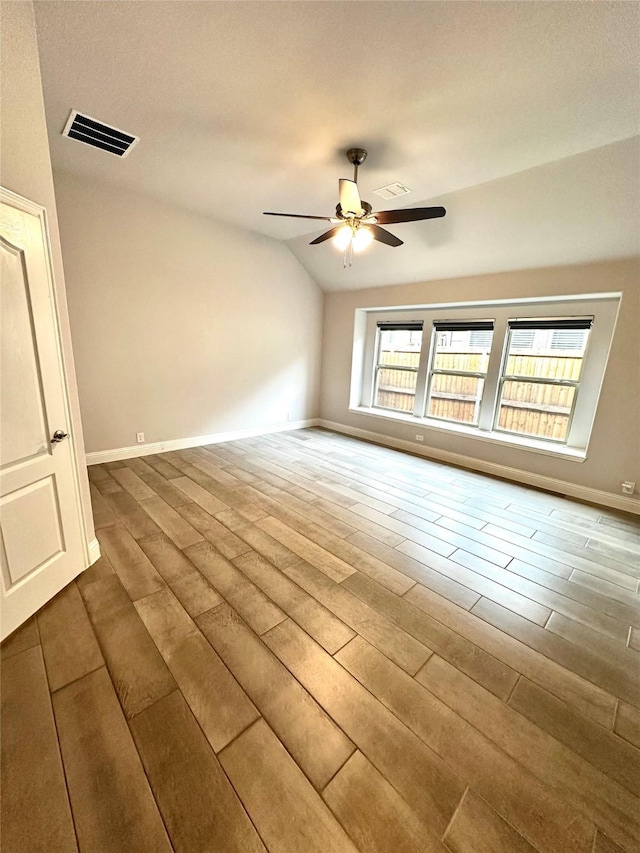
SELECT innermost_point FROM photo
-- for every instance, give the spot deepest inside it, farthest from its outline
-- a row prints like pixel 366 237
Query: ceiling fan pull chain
pixel 348 254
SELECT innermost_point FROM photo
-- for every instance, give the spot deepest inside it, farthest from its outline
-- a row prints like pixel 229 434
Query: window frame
pixel 513 377
pixel 378 366
pixel 460 326
pixel 604 307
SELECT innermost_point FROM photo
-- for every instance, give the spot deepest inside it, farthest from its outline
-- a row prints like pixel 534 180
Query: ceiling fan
pixel 355 223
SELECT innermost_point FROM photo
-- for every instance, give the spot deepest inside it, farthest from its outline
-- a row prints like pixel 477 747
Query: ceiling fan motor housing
pixel 356 156
pixel 365 206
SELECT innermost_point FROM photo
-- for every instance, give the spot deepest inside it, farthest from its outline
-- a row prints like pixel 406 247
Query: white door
pixel 41 544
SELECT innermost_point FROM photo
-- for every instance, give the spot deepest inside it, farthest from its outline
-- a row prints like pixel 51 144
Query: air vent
pixel 93 132
pixel 392 191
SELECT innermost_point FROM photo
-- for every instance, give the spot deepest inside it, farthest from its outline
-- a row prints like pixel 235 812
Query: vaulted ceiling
pixel 519 117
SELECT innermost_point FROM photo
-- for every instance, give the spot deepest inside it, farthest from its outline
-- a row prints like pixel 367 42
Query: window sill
pixel 572 454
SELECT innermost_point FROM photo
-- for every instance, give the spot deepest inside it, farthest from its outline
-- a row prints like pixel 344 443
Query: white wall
pixel 614 450
pixel 182 326
pixel 25 168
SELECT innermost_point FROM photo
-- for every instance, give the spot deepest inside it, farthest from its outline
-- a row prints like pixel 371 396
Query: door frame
pixel 90 547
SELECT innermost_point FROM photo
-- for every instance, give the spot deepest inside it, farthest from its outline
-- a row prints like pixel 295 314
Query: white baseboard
pixel 550 484
pixel 195 441
pixel 93 548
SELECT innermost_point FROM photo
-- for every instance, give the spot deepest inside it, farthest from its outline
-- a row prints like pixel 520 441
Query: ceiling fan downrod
pixel 356 156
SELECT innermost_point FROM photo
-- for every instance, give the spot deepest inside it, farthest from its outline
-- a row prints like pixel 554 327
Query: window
pixel 569 339
pixel 458 371
pixel 481 339
pixel 523 338
pixel 398 357
pixel 486 372
pixel 540 379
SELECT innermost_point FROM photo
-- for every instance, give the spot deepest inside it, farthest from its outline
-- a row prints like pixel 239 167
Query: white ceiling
pixel 249 106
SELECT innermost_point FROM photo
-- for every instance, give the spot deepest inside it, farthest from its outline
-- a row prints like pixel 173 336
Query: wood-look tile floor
pixel 308 644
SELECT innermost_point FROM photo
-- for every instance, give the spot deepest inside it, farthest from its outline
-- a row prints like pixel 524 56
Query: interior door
pixel 41 542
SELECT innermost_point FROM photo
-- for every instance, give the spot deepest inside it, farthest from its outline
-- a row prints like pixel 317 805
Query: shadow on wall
pixel 280 399
pixel 227 402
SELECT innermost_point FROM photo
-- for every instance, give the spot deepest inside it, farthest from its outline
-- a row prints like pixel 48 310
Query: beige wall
pixel 182 326
pixel 25 168
pixel 613 454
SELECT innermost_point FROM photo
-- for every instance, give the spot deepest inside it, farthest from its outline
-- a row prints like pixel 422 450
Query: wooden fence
pixel 530 408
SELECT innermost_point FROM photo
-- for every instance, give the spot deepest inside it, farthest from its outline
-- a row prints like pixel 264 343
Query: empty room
pixel 319 426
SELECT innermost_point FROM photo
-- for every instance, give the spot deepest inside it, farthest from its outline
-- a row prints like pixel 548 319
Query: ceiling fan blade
pixel 298 216
pixel 326 236
pixel 384 236
pixel 411 214
pixel 349 197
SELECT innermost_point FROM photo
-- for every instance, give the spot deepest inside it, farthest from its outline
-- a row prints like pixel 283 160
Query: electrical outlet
pixel 419 438
pixel 628 487
pixel 140 437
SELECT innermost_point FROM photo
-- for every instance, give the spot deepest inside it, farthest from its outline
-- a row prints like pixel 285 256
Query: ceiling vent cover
pixel 392 191
pixel 93 132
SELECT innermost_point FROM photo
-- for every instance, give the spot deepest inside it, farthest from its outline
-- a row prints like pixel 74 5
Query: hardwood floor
pixel 303 642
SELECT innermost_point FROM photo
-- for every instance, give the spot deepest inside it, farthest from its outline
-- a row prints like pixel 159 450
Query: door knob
pixel 59 435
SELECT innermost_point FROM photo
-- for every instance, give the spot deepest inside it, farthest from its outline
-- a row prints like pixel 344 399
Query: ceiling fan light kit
pixel 356 226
